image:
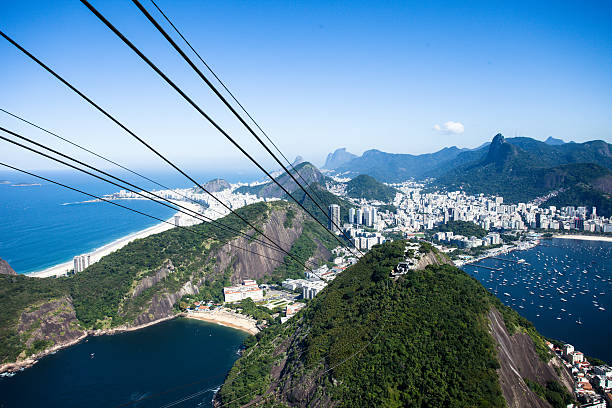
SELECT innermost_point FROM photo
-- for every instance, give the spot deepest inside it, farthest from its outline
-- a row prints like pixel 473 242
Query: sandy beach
pixel 584 237
pixel 97 254
pixel 226 318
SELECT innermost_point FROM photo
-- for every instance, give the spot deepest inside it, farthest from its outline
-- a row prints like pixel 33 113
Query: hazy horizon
pixel 401 78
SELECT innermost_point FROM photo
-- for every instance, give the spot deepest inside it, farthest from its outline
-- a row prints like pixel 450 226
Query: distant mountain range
pixel 519 169
pixel 305 173
pixel 392 167
pixel 362 186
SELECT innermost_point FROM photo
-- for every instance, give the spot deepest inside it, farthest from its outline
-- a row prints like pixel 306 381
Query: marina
pixel 563 287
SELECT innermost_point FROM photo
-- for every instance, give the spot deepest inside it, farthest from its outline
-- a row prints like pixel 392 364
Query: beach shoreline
pixel 96 254
pixel 584 237
pixel 224 317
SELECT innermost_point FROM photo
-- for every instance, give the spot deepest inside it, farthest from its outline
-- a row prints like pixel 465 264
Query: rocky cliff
pixel 518 360
pixel 216 185
pixel 5 268
pixel 143 282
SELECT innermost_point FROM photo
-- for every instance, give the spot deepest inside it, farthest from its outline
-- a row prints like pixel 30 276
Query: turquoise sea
pixel 44 225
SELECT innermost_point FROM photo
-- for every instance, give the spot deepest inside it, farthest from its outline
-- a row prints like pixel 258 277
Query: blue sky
pixel 397 76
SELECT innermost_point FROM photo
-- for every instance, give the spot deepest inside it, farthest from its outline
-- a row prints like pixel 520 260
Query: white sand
pixel 228 318
pixel 97 254
pixel 584 237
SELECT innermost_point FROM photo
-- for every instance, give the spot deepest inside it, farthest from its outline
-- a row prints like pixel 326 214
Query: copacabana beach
pixel 97 254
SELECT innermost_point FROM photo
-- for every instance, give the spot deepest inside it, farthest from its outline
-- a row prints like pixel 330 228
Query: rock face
pixel 338 158
pixel 242 264
pixel 432 258
pixel 500 151
pixel 5 268
pixel 53 322
pixel 518 360
pixel 216 185
pixel 248 265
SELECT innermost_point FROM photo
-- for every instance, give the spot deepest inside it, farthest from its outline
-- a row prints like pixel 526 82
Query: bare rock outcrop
pixel 154 279
pixel 53 322
pixel 518 360
pixel 161 304
pixel 261 260
pixel 432 258
pixel 5 268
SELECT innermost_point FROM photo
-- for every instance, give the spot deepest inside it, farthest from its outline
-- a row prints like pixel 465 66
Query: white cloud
pixel 450 127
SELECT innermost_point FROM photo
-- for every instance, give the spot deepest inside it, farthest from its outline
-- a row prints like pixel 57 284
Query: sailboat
pixel 579 321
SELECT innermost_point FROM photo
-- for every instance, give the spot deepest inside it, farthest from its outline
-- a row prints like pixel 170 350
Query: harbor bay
pixel 152 367
pixel 562 285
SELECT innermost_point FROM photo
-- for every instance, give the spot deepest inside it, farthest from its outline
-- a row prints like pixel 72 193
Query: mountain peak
pixel 498 139
pixel 298 159
pixel 500 151
pixel 553 141
pixel 338 158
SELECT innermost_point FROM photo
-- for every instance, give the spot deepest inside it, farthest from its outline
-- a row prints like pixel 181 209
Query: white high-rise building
pixel 334 216
pixel 81 262
pixel 359 216
pixel 352 216
pixel 368 221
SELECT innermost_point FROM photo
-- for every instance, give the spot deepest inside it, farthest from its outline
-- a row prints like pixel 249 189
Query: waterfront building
pixel 248 289
pixel 81 262
pixel 568 349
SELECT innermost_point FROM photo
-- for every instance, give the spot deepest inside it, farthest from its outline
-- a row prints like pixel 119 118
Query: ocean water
pixel 42 225
pixel 178 363
pixel 562 287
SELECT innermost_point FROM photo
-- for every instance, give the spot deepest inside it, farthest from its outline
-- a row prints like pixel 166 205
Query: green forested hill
pixel 522 169
pixel 366 340
pixel 465 228
pixel 364 186
pixel 144 280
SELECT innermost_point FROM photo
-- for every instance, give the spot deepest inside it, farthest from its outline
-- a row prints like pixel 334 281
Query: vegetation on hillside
pixel 16 294
pixel 584 195
pixel 465 228
pixel 105 295
pixel 369 341
pixel 364 186
pixel 522 169
pixel 553 392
